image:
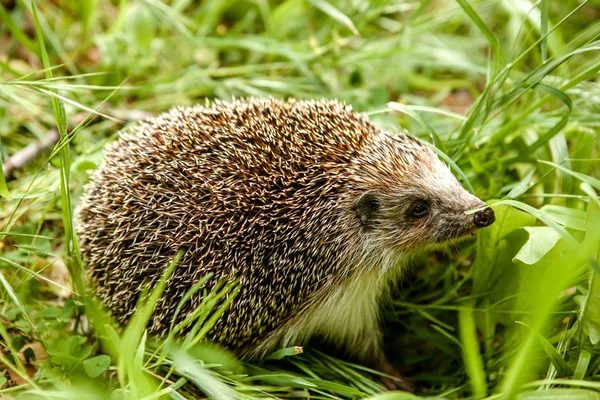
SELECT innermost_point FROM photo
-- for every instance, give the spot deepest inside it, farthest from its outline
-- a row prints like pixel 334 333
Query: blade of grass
pixel 13 296
pixel 336 14
pixel 582 365
pixel 33 273
pixel 594 182
pixel 71 247
pixel 557 360
pixel 471 354
pixel 544 30
pixel 408 111
pixel 494 42
pixel 129 364
pixel 17 33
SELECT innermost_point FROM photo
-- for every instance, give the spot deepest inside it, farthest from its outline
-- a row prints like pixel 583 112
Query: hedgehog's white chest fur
pixel 346 315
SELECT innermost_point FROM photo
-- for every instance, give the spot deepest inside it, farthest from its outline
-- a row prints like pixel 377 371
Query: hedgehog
pixel 311 206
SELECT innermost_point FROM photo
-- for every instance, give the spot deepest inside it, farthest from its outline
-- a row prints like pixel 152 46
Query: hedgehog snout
pixel 484 218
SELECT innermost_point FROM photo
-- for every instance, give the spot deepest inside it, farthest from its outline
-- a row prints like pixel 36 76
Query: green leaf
pixel 29 355
pixel 96 365
pixel 542 216
pixel 541 240
pixel 69 351
pixel 490 242
pixel 17 342
pixel 540 295
pixel 50 312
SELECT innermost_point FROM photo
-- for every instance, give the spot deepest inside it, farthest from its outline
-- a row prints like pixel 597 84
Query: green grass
pixel 508 91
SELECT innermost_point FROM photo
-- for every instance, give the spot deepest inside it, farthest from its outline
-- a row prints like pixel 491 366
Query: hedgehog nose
pixel 484 218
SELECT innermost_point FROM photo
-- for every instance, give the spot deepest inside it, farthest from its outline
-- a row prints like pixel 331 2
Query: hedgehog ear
pixel 367 209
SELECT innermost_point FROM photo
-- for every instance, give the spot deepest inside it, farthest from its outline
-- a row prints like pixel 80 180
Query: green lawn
pixel 508 90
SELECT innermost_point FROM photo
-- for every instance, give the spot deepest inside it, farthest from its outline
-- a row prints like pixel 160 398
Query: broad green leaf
pixel 543 284
pixel 496 278
pixel 508 221
pixel 541 240
pixel 69 351
pixel 96 365
pixel 542 216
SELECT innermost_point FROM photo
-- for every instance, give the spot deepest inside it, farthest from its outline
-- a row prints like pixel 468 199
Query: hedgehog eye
pixel 419 209
pixel 367 208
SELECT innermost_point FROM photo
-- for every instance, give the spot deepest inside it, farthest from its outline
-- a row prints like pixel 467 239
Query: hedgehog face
pixel 423 205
